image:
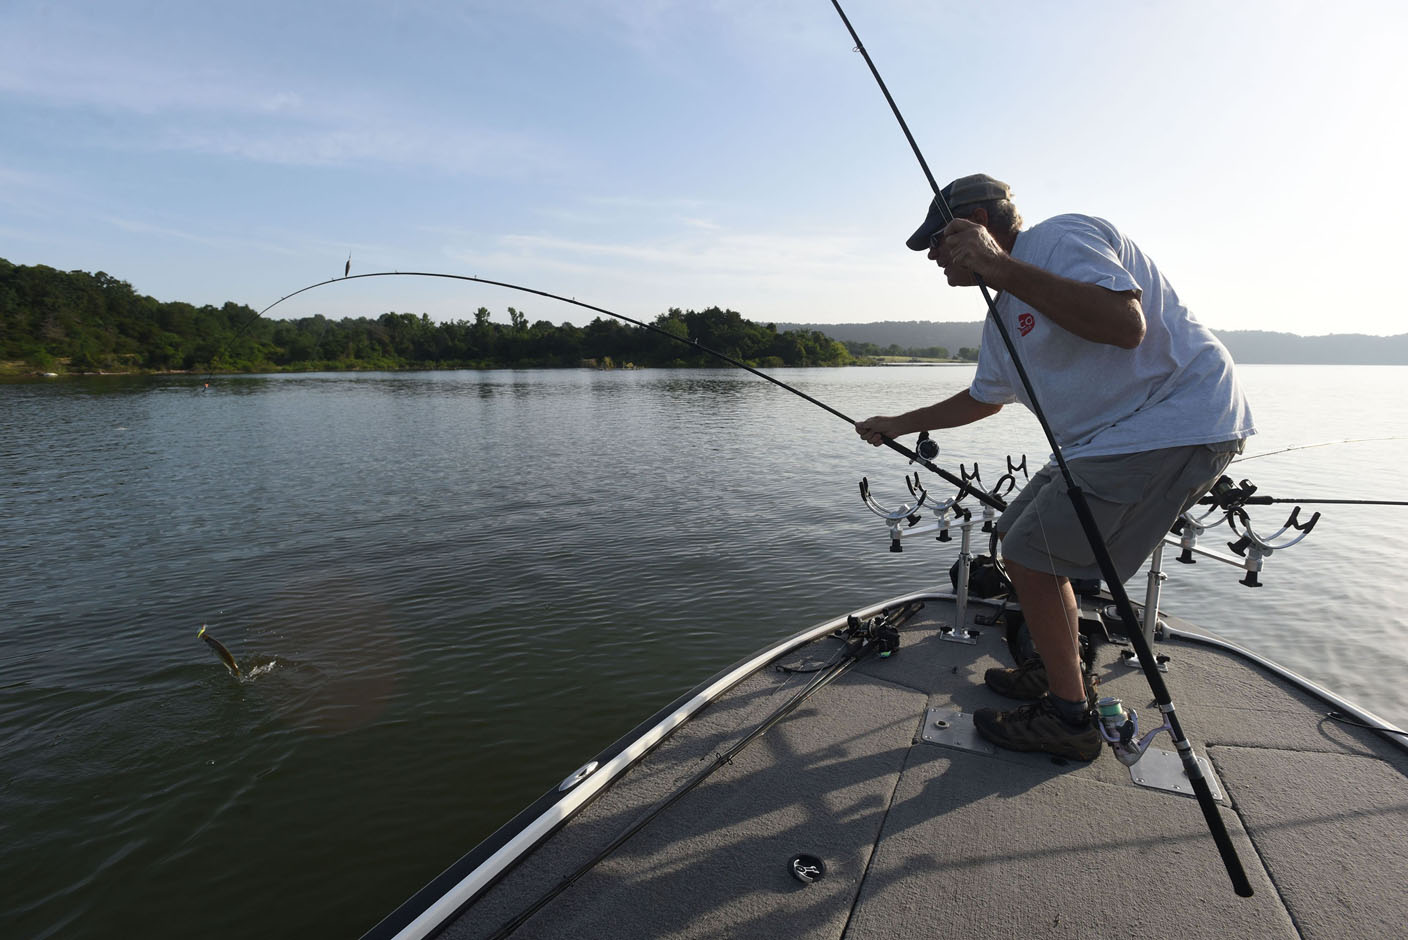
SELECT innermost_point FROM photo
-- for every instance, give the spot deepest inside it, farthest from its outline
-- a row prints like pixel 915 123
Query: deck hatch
pixel 950 727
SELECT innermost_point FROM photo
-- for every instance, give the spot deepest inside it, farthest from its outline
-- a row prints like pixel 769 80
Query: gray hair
pixel 1003 217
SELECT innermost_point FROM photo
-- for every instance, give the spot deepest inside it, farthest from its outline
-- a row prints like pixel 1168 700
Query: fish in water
pixel 220 651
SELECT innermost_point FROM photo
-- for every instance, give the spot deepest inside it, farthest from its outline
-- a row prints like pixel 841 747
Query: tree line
pixel 894 350
pixel 75 321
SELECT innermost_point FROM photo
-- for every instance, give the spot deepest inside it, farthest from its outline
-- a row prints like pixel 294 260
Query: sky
pixel 640 155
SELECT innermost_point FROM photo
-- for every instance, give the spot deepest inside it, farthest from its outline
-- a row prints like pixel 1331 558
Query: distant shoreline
pixel 1248 347
pixel 29 375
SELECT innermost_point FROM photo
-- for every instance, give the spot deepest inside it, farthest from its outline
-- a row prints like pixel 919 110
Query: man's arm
pixel 952 412
pixel 1090 311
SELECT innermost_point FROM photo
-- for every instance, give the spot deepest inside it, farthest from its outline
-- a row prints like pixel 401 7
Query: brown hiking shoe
pixel 1027 682
pixel 1037 727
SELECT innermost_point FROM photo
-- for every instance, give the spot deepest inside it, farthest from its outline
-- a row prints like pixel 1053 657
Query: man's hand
pixel 956 410
pixel 968 248
pixel 875 430
pixel 1092 312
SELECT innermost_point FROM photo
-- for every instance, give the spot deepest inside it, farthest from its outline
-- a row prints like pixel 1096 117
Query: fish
pixel 220 651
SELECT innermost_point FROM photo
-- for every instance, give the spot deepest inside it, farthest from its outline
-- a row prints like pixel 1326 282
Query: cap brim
pixel 933 222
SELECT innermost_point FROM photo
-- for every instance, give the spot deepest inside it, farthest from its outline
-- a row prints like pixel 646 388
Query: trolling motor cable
pixel 963 485
pixel 1147 662
pixel 1344 719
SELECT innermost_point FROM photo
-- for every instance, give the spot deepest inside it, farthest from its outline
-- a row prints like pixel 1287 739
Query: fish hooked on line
pixel 220 651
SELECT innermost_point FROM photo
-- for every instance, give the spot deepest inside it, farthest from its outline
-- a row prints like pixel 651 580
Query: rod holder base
pixel 1163 770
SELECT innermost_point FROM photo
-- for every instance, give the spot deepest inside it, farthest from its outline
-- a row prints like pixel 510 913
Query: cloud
pixel 353 142
pixel 656 28
pixel 283 101
pixel 284 243
pixel 14 182
pixel 725 258
pixel 175 97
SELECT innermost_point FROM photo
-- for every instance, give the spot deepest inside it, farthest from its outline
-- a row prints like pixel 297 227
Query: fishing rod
pixel 1227 495
pixel 1147 661
pixel 1268 500
pixel 964 486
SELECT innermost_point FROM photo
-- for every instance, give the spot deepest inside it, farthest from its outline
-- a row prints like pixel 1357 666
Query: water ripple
pixel 470 582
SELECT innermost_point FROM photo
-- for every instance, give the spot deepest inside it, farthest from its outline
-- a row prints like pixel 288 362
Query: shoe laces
pixel 1032 709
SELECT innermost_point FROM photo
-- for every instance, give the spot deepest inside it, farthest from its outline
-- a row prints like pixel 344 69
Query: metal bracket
pixel 959 635
pixel 1163 770
pixel 950 727
pixel 1131 659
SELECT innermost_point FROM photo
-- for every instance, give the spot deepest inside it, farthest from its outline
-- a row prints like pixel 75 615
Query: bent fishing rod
pixel 964 486
pixel 1147 662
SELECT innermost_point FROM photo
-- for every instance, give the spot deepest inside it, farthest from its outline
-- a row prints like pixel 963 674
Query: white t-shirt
pixel 1176 387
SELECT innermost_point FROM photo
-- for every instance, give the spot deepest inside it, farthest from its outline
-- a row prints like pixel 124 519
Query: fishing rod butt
pixel 1221 838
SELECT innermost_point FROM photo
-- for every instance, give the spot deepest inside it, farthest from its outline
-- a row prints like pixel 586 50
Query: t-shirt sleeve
pixel 1081 254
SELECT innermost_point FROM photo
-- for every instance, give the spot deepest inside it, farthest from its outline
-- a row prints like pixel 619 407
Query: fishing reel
pixel 883 630
pixel 1119 727
pixel 926 446
pixel 885 636
pixel 1230 500
pixel 1229 496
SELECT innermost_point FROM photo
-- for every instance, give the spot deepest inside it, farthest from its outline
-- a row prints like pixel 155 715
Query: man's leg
pixel 1049 608
pixel 1058 722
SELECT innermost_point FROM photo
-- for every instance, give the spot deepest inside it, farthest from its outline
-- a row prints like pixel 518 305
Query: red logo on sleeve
pixel 1025 323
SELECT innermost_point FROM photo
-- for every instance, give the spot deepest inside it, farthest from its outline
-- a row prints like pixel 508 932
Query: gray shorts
pixel 1135 499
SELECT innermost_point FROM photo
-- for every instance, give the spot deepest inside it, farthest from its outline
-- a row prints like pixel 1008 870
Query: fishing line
pixel 964 486
pixel 244 327
pixel 1353 440
pixel 1201 789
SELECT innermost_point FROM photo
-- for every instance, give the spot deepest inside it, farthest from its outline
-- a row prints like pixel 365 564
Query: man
pixel 1142 399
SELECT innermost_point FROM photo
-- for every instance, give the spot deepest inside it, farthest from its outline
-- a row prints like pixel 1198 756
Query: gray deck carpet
pixel 923 840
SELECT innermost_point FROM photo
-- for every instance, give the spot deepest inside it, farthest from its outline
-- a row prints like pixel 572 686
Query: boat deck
pixel 928 840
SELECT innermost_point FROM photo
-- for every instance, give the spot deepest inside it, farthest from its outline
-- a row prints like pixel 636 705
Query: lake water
pixel 448 590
